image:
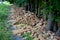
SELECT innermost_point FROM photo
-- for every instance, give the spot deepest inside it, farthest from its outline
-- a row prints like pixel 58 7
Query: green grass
pixel 5 32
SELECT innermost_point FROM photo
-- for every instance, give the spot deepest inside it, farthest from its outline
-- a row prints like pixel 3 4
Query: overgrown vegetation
pixel 5 32
pixel 49 5
pixel 19 2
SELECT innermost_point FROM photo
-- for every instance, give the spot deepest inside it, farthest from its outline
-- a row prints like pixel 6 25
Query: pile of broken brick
pixel 25 21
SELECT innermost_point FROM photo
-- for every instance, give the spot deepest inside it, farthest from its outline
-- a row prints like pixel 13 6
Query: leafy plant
pixel 27 35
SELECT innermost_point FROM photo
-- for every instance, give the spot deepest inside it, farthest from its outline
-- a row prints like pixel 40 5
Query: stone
pixel 17 31
pixel 45 22
pixel 40 37
pixel 39 24
pixel 35 39
pixel 35 35
pixel 44 25
pixel 52 37
pixel 28 31
pixel 24 11
pixel 25 38
pixel 19 35
pixel 31 35
pixel 55 39
pixel 41 20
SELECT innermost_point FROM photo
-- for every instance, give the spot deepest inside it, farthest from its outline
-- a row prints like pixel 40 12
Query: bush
pixel 5 33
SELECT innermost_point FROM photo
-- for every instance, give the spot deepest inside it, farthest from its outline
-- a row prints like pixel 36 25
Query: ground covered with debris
pixel 26 24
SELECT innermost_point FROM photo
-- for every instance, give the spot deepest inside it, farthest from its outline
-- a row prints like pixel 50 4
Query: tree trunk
pixel 35 7
pixel 55 27
pixel 31 6
pixel 28 7
pixel 58 32
pixel 49 22
pixel 44 14
pixel 38 10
